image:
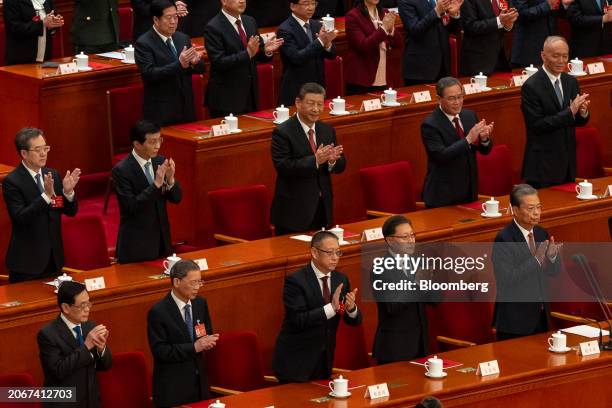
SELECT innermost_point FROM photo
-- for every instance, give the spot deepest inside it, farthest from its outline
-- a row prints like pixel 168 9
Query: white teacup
pixel 217 404
pixel 170 261
pixel 328 22
pixel 232 121
pixel 576 66
pixel 491 207
pixel 337 105
pixel 584 189
pixel 339 232
pixel 530 70
pixel 479 79
pixel 433 366
pixel 339 386
pixel 557 341
pixel 81 60
pixel 281 114
pixel 389 97
pixel 61 279
pixel 129 54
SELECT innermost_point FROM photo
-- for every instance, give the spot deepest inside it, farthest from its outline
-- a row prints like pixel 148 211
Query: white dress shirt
pixel 44 195
pixel 328 308
pixel 181 305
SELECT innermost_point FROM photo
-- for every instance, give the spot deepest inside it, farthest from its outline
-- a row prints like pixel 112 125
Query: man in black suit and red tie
pixel 452 136
pixel 305 154
pixel 552 108
pixel 36 197
pixel 167 60
pixel 591 22
pixel 524 256
pixel 179 331
pixel 234 46
pixel 316 298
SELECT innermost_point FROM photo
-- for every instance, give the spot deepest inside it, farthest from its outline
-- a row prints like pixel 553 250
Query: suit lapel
pixel 303 137
pixel 66 334
pixel 314 284
pixel 517 236
pixel 138 172
pixel 177 316
pixel 550 88
pixel 28 182
pixel 565 84
pixel 299 30
pixel 447 126
pixel 233 34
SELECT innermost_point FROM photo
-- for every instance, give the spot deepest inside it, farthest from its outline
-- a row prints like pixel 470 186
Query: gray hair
pixel 519 191
pixel 444 83
pixel 551 39
pixel 24 136
pixel 182 268
pixel 310 88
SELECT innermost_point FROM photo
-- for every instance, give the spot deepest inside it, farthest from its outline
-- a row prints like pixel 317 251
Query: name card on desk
pixel 418 97
pixel 372 234
pixel 596 68
pixel 377 391
pixel 220 130
pixel 471 88
pixel 608 191
pixel 68 68
pixel 488 368
pixel 202 263
pixel 95 284
pixel 588 348
pixel 371 105
pixel 519 80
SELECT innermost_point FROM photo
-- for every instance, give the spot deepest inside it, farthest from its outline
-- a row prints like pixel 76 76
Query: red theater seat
pixel 454 55
pixel 17 380
pixel 125 385
pixel 85 246
pixel 495 172
pixel 126 24
pixel 334 77
pixel 589 163
pixel 351 349
pixel 265 86
pixel 197 85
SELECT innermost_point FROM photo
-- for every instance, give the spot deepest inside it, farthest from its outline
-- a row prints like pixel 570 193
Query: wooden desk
pixel 244 282
pixel 530 376
pixel 5 221
pixel 369 139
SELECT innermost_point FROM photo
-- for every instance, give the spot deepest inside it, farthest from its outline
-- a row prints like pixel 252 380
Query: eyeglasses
pixel 195 283
pixel 404 236
pixel 156 142
pixel 454 98
pixel 40 149
pixel 83 306
pixel 330 252
pixel 309 3
pixel 532 209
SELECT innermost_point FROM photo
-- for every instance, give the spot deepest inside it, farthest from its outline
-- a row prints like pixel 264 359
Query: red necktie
pixel 326 294
pixel 242 33
pixel 313 146
pixel 458 128
pixel 532 245
pixel 495 7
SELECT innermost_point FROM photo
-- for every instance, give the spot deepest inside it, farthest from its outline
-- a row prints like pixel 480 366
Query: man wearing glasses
pixel 316 297
pixel 452 136
pixel 144 182
pixel 179 330
pixel 36 197
pixel 72 347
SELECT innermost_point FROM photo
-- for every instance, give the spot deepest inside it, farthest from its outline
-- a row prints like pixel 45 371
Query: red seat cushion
pixel 495 172
pixel 388 188
pixel 351 349
pixel 334 77
pixel 197 85
pixel 265 86
pixel 124 107
pixel 588 153
pixel 125 385
pixel 85 244
pixel 18 380
pixel 126 24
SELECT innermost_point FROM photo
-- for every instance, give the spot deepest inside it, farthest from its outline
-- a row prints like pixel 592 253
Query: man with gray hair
pixel 179 330
pixel 523 257
pixel 452 136
pixel 552 107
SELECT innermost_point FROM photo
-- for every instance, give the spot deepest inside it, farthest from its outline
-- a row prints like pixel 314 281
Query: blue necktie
pixel 79 335
pixel 39 183
pixel 189 321
pixel 558 92
pixel 172 48
pixel 148 172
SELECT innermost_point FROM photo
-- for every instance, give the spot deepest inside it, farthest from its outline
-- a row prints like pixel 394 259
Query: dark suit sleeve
pixel 146 64
pixel 55 363
pixel 299 56
pixel 286 163
pixel 207 320
pixel 133 202
pixel 14 23
pixel 162 348
pixel 175 194
pixel 142 7
pixel 578 19
pixel 413 25
pixel 105 361
pixel 436 150
pixel 535 117
pixel 527 13
pixel 20 212
pixel 298 315
pixel 471 22
pixel 351 321
pixel 217 55
pixel 340 164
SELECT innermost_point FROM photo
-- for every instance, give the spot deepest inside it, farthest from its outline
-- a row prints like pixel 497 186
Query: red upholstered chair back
pixel 265 86
pixel 351 348
pixel 235 362
pixel 495 172
pixel 334 77
pixel 389 187
pixel 125 385
pixel 2 43
pixel 17 380
pixel 454 55
pixel 126 23
pixel 124 108
pixel 197 84
pixel 241 212
pixel 588 153
pixel 85 245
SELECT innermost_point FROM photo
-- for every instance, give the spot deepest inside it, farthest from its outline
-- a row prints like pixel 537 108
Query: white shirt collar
pixel 305 126
pixel 318 273
pixel 299 20
pixel 451 117
pixel 180 303
pixel 552 77
pixel 163 37
pixel 231 18
pixel 140 160
pixel 32 172
pixel 71 325
pixel 524 231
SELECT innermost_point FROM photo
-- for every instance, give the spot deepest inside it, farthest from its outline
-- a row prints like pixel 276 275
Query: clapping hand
pixel 206 343
pixel 48 184
pixel 454 7
pixel 70 180
pixel 170 172
pixel 336 298
pixel 580 103
pixel 327 37
pixel 553 248
pixel 181 9
pixel 349 300
pixel 160 174
pixel 487 131
pixel 272 44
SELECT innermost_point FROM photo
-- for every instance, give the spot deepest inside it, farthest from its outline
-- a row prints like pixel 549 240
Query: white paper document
pixel 113 54
pixel 586 331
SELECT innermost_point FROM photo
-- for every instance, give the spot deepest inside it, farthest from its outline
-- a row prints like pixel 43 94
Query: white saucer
pixel 276 122
pixel 339 113
pixel 236 131
pixel 485 89
pixel 444 374
pixel 591 197
pixel 561 351
pixel 125 62
pixel 583 73
pixel 331 394
pixel 85 69
pixel 491 215
pixel 391 104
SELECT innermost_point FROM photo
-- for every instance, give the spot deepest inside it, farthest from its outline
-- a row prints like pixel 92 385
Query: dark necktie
pixel 495 7
pixel 172 48
pixel 308 31
pixel 458 128
pixel 189 321
pixel 558 92
pixel 532 245
pixel 39 183
pixel 79 334
pixel 313 145
pixel 326 295
pixel 243 36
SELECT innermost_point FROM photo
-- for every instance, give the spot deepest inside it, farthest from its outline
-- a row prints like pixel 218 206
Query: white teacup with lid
pixel 217 404
pixel 339 386
pixel 337 106
pixel 170 261
pixel 479 79
pixel 490 208
pixel 328 22
pixel 389 97
pixel 129 54
pixel 281 114
pixel 584 189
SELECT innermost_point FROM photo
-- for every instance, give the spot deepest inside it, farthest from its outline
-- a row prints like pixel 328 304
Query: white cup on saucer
pixel 557 341
pixel 129 54
pixel 170 261
pixel 82 61
pixel 584 189
pixel 217 404
pixel 232 121
pixel 337 105
pixel 339 386
pixel 576 66
pixel 389 97
pixel 479 79
pixel 433 367
pixel 281 114
pixel 491 207
pixel 57 282
pixel 339 232
pixel 530 70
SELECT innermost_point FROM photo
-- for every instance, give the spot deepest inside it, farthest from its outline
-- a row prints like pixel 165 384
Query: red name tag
pixel 200 330
pixel 57 202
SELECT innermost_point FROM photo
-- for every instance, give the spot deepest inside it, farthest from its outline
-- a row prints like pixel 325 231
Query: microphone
pixel 581 260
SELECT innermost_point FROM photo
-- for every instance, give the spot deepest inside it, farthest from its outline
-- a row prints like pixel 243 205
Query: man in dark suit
pixel 144 182
pixel 591 22
pixel 29 30
pixel 427 28
pixel 313 298
pixel 523 257
pixel 36 197
pixel 73 348
pixel 402 332
pixel 552 107
pixel 179 330
pixel 305 154
pixel 452 136
pixel 166 60
pixel 306 45
pixel 484 24
pixel 142 15
pixel 234 46
pixel 95 26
